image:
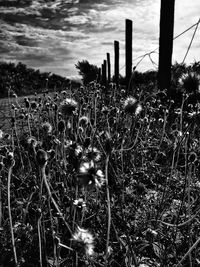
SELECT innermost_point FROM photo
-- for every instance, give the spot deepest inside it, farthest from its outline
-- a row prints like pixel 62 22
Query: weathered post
pixel 104 73
pixel 99 75
pixel 128 62
pixel 166 44
pixel 108 65
pixel 116 51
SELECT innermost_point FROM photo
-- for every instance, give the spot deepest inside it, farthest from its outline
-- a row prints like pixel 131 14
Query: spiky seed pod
pixel 92 153
pixel 190 82
pixel 130 105
pixel 47 128
pixel 89 175
pixel 68 107
pixel 41 157
pixel 61 126
pixel 83 242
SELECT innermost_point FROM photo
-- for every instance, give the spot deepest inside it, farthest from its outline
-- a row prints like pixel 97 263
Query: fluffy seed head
pixel 47 127
pixel 130 105
pixel 89 175
pixel 83 242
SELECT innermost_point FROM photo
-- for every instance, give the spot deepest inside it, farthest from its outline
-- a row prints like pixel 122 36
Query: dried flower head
pixel 89 175
pixel 79 203
pixel 130 105
pixel 92 153
pixel 68 107
pixel 83 242
pixel 190 82
pixel 47 127
pixel 32 141
pixel 83 121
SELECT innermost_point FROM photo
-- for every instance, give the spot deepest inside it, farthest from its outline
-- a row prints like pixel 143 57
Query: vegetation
pixel 27 81
pixel 89 72
pixel 99 178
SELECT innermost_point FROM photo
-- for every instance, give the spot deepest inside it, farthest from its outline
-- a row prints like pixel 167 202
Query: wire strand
pixel 190 44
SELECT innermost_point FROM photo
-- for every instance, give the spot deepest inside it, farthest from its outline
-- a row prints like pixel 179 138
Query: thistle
pixel 89 175
pixel 83 242
pixel 68 107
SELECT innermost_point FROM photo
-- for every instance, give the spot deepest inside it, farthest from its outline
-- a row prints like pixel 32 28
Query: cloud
pixel 54 35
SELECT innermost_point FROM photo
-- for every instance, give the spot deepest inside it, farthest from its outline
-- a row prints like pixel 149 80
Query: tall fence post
pixel 104 73
pixel 108 65
pixel 99 75
pixel 128 62
pixel 116 74
pixel 166 44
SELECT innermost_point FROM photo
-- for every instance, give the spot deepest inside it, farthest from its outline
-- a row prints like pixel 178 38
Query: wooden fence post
pixel 108 64
pixel 128 62
pixel 104 73
pixel 116 51
pixel 166 44
pixel 99 75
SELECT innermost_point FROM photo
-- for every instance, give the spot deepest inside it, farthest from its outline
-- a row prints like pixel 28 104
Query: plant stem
pixel 52 199
pixel 109 208
pixel 10 215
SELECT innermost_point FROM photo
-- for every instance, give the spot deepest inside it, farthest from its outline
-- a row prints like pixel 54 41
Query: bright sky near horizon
pixel 53 35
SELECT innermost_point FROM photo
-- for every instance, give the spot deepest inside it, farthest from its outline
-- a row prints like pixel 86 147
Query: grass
pixel 101 180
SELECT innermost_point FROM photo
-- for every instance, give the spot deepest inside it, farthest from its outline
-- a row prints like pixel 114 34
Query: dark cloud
pixel 4 48
pixel 25 41
pixel 14 3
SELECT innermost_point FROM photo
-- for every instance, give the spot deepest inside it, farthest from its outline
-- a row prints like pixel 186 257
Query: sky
pixel 53 35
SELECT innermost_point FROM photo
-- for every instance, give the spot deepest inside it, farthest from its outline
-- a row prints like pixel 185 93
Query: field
pixel 99 178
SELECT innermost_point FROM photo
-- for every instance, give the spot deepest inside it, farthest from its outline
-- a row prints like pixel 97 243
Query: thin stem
pixel 10 215
pixel 52 199
pixel 109 208
pixel 40 241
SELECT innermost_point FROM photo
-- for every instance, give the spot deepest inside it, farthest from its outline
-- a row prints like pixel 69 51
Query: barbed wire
pixel 190 44
pixel 154 51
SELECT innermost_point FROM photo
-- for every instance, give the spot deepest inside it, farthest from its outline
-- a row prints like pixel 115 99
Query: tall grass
pixel 101 179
